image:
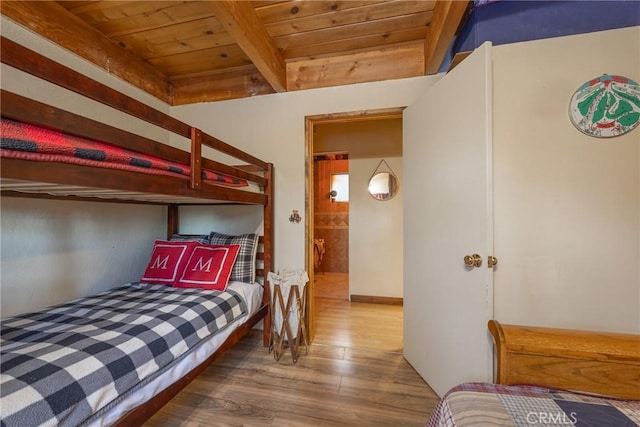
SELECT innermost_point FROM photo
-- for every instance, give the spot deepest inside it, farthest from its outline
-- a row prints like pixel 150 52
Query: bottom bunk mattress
pixel 93 359
pixel 473 404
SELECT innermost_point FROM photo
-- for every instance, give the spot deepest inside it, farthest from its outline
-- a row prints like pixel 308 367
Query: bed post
pixel 268 251
pixel 501 351
pixel 195 182
pixel 173 220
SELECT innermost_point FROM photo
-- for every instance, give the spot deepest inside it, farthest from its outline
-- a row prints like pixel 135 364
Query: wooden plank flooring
pixel 343 381
pixel 359 325
pixel 354 325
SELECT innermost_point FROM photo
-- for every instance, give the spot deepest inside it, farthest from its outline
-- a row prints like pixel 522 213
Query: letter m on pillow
pixel 209 267
pixel 203 265
pixel 168 259
pixel 160 262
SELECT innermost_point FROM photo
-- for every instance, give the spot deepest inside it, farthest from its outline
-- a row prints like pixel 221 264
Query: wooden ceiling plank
pixel 201 60
pixel 386 64
pixel 71 4
pixel 104 11
pixel 297 9
pixel 162 14
pixel 344 32
pixel 354 45
pixel 55 23
pixel 184 37
pixel 243 24
pixel 352 15
pixel 99 7
pixel 447 16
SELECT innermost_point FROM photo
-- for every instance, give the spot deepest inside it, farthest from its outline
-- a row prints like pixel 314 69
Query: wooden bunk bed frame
pixel 584 361
pixel 120 186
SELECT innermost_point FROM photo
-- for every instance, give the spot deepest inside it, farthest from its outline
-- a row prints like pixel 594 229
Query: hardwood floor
pixel 359 325
pixel 332 286
pixel 344 324
pixel 354 375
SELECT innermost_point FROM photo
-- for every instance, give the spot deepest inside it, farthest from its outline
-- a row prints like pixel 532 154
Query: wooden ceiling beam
pixel 57 24
pixel 242 83
pixel 447 16
pixel 244 25
pixel 393 62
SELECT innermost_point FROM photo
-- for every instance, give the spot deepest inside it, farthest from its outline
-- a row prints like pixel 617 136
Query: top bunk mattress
pixel 24 141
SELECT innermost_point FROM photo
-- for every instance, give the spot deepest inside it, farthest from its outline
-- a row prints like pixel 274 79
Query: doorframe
pixel 310 123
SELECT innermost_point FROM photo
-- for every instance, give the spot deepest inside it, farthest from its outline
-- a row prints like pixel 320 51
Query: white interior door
pixel 447 215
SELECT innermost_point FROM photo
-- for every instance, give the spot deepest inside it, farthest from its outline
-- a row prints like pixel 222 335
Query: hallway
pixel 354 324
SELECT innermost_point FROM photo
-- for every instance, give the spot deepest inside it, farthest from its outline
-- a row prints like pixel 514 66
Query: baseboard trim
pixel 376 300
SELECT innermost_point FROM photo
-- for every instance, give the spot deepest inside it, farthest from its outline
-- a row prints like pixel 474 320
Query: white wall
pixel 56 251
pixel 567 205
pixel 53 251
pixel 272 127
pixel 231 219
pixel 375 233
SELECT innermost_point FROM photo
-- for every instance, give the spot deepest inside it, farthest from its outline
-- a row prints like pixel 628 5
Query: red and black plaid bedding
pixel 64 365
pixel 473 404
pixel 23 141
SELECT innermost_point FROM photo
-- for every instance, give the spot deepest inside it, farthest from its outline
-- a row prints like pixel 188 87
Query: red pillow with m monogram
pixel 168 260
pixel 209 267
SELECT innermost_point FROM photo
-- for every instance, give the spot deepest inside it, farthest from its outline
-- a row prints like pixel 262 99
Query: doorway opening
pixel 330 221
pixel 354 138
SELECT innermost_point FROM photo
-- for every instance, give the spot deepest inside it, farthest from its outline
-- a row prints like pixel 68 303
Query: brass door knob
pixel 492 261
pixel 473 260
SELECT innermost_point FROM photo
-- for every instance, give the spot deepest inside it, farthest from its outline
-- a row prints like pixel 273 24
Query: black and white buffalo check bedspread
pixel 61 365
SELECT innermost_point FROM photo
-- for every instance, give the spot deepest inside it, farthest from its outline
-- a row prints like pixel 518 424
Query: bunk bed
pixel 92 161
pixel 549 376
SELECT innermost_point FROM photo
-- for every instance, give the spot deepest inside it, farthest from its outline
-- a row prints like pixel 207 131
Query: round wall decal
pixel 606 106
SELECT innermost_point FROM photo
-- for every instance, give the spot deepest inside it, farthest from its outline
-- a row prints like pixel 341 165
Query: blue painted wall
pixel 511 21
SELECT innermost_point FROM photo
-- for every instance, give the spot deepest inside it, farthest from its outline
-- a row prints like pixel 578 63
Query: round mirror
pixel 383 186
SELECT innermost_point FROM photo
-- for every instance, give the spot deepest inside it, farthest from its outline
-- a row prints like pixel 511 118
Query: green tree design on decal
pixel 606 106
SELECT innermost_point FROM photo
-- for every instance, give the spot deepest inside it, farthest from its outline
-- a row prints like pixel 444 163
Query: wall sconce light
pixel 295 217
